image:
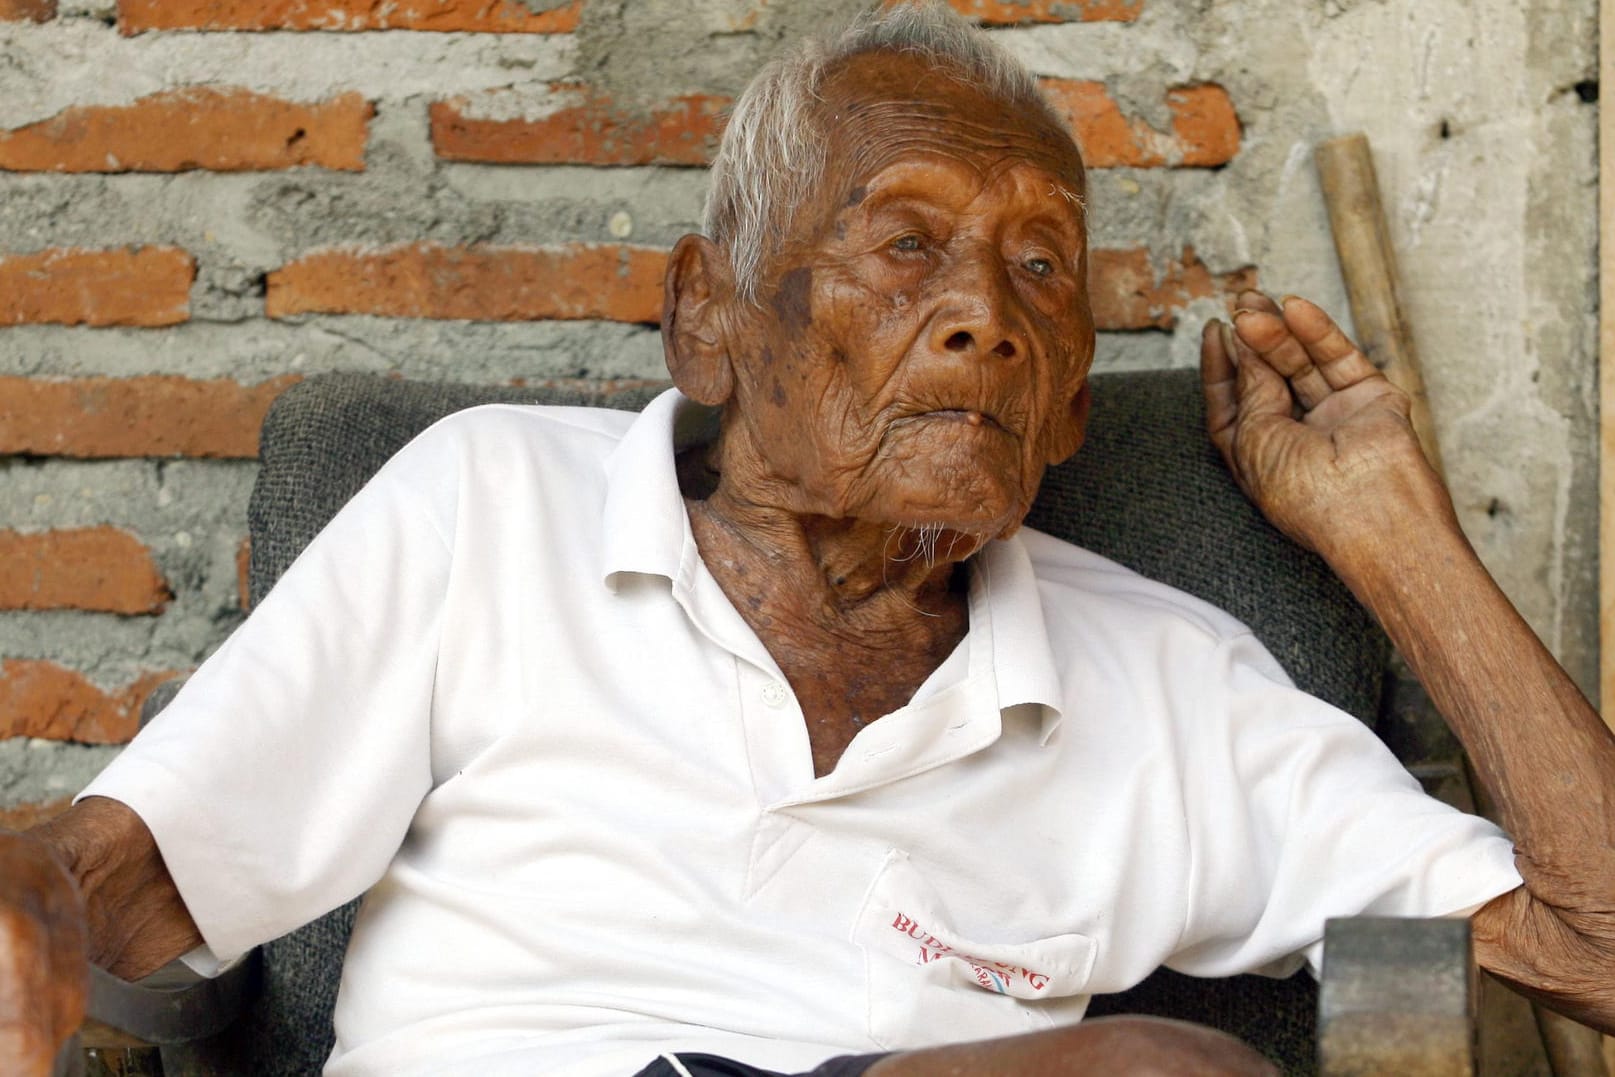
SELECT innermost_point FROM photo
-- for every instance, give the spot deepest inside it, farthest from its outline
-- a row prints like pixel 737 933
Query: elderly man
pixel 792 746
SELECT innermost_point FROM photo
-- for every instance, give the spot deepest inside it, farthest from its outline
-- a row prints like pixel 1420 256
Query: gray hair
pixel 773 151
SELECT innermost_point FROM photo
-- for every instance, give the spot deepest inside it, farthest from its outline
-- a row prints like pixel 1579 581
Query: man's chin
pixel 958 536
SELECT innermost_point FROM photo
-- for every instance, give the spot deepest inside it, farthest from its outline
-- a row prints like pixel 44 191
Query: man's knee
pixel 1129 1046
pixel 1162 1046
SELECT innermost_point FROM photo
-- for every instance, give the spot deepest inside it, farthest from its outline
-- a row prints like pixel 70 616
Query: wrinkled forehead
pixel 883 107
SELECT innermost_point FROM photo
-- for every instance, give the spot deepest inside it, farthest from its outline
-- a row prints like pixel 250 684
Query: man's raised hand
pixel 1312 432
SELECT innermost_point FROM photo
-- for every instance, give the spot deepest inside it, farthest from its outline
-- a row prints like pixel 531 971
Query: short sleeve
pixel 1299 813
pixel 281 780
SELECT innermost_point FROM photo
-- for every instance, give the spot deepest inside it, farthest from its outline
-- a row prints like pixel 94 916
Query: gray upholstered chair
pixel 1147 490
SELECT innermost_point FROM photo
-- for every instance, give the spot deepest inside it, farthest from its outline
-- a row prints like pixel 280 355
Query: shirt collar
pixel 647 530
pixel 645 526
pixel 1005 598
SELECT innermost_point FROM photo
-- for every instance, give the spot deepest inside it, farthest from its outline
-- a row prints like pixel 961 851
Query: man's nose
pixel 978 318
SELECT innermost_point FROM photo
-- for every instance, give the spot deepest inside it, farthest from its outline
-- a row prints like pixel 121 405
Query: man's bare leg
pixel 1123 1046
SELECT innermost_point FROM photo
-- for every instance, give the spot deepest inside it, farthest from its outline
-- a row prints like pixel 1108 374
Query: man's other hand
pixel 1312 431
pixel 44 974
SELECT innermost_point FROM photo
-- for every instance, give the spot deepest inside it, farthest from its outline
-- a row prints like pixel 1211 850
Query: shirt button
pixel 774 694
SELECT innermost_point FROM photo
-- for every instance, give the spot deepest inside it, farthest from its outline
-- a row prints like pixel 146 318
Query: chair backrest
pixel 1147 490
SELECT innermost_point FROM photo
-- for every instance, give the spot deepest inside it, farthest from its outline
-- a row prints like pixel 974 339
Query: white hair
pixel 772 155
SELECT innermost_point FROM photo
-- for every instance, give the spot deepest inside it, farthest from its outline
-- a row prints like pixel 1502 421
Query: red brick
pixel 1204 123
pixel 1126 293
pixel 224 130
pixel 23 816
pixel 1011 12
pixel 142 286
pixel 617 283
pixel 94 568
pixel 27 10
pixel 158 415
pixel 594 130
pixel 624 284
pixel 1205 127
pixel 591 129
pixel 43 699
pixel 479 16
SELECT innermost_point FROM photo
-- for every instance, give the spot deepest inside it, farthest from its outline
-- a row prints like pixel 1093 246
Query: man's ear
pixel 699 285
pixel 1066 437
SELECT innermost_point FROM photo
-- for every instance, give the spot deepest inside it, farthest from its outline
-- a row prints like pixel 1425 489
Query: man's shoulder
pixel 1079 583
pixel 490 453
pixel 487 425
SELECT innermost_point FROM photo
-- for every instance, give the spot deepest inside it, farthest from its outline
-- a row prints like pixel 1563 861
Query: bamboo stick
pixel 1368 263
pixel 1606 383
pixel 1606 371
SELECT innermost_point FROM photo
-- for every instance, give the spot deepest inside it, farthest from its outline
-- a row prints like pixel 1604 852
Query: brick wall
pixel 202 201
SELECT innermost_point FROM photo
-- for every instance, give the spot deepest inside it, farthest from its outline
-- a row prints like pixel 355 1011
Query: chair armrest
pixel 174 1004
pixel 1397 996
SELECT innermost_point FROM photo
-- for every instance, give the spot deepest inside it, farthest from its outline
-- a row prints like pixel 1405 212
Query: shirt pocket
pixel 928 983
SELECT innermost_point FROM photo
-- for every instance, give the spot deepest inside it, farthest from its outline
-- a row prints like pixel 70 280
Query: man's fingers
pixel 1251 299
pixel 1218 384
pixel 1267 333
pixel 1261 390
pixel 1331 351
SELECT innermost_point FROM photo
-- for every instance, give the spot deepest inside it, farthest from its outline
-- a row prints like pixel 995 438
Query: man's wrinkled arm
pixel 1321 442
pixel 1546 758
pixel 136 920
pixel 88 886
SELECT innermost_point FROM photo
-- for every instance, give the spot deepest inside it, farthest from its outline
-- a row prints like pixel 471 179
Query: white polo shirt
pixel 502 694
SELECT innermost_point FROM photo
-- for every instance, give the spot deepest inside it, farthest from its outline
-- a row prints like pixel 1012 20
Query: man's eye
pixel 1040 267
pixel 909 242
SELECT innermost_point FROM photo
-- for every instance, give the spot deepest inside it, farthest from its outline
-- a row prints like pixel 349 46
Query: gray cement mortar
pixel 191 513
pixel 41 771
pixel 1495 224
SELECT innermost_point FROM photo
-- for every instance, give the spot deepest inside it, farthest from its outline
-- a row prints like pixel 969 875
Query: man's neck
pixel 857 615
pixel 838 574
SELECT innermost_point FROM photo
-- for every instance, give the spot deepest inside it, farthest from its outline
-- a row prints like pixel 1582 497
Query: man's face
pixel 925 334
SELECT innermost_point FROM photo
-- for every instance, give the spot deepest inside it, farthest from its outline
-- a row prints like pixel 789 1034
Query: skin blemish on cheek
pixel 794 300
pixel 858 194
pixel 777 397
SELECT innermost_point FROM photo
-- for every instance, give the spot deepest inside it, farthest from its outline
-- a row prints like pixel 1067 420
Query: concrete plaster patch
pixel 639 51
pixel 35 771
pixel 1106 50
pixel 393 204
pixel 256 351
pixel 498 353
pixel 663 203
pixel 39 493
pixel 71 62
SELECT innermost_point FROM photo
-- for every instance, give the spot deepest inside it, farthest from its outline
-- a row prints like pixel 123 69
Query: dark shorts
pixel 714 1066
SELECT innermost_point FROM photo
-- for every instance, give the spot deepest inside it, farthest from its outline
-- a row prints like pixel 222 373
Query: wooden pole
pixel 1606 366
pixel 1606 382
pixel 1368 263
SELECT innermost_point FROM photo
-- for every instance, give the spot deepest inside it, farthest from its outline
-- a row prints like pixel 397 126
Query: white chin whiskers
pixel 925 543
